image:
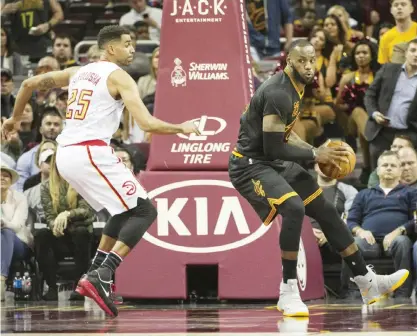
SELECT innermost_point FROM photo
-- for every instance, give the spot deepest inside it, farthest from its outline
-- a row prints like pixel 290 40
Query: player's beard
pixel 301 79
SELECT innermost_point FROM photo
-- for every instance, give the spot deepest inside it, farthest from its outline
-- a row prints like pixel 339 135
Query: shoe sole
pixel 80 290
pixel 397 285
pixel 95 295
pixel 297 314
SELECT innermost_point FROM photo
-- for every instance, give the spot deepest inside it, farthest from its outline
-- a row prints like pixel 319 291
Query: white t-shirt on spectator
pixel 154 13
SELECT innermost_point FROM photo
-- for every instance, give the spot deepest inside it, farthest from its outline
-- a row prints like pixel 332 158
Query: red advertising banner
pixel 204 75
pixel 204 221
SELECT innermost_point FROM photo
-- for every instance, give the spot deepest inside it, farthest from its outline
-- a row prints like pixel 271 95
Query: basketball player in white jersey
pixel 98 93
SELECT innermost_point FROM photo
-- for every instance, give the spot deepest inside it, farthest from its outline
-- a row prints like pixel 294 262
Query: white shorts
pixel 98 175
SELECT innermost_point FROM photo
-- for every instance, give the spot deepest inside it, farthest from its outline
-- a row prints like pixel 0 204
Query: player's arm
pixel 277 106
pixel 295 140
pixel 128 91
pixel 44 82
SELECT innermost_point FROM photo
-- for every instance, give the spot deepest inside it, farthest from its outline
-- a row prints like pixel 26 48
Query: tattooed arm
pixel 295 140
pixel 42 82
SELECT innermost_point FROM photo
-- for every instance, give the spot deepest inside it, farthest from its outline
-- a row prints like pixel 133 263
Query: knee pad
pixel 292 207
pixel 292 212
pixel 140 219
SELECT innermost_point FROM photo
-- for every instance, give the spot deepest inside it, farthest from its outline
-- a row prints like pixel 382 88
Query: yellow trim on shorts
pixel 277 201
pixel 312 197
pixel 237 154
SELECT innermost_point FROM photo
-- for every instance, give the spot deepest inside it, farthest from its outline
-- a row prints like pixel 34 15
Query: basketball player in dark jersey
pixel 263 169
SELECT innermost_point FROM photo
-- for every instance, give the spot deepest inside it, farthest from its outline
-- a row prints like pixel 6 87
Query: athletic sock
pixel 289 270
pixel 356 263
pixel 98 259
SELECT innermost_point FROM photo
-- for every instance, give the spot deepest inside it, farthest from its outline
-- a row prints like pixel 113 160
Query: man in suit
pixel 391 102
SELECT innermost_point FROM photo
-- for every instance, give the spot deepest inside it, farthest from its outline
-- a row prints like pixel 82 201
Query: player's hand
pixel 189 127
pixel 379 118
pixel 9 126
pixel 330 155
pixel 367 235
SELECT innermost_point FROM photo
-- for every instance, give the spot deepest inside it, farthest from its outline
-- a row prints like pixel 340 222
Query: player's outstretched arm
pixel 128 90
pixel 42 82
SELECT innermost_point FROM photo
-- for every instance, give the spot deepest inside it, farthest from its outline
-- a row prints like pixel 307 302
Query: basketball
pixel 346 167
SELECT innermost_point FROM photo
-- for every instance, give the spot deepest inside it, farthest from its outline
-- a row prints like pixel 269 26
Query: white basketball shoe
pixel 374 287
pixel 289 302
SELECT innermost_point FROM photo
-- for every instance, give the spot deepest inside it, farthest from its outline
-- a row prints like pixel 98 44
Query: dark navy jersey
pixel 277 95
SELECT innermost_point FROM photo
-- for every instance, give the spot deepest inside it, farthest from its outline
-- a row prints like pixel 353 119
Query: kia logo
pixel 230 221
pixel 205 130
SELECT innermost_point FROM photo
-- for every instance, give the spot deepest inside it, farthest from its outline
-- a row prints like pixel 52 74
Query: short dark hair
pixel 50 111
pixel 404 137
pixel 299 43
pixel 63 36
pixel 110 33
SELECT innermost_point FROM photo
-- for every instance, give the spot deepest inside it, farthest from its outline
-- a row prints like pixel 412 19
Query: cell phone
pixel 145 16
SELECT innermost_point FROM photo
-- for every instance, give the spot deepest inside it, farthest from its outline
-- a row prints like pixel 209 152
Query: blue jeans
pixel 12 248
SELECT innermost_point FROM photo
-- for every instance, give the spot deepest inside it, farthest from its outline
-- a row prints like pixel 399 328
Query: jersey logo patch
pixel 130 188
pixel 296 109
pixel 259 190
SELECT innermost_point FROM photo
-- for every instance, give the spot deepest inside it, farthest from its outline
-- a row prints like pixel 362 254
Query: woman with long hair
pixel 318 102
pixel 336 49
pixel 9 58
pixel 350 96
pixel 70 230
pixel 343 15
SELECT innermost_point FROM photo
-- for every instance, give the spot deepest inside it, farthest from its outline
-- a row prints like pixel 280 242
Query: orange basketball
pixel 346 167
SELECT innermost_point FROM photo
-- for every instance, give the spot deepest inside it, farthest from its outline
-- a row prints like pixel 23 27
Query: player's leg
pixel 339 236
pixel 102 179
pixel 269 194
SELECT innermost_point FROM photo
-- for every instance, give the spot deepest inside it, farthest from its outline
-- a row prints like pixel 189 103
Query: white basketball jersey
pixel 92 113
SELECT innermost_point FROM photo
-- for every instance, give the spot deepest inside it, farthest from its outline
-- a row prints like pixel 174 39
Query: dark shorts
pixel 267 184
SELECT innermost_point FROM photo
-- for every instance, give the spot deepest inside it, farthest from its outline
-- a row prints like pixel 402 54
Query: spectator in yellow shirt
pixel 404 31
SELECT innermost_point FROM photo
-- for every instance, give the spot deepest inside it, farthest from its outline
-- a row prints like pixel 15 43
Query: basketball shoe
pixel 117 299
pixel 374 287
pixel 290 303
pixel 98 287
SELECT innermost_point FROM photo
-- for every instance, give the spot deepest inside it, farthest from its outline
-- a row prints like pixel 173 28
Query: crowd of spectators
pixel 365 92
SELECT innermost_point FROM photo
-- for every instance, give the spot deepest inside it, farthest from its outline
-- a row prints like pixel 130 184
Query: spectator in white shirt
pixel 142 12
pixel 16 237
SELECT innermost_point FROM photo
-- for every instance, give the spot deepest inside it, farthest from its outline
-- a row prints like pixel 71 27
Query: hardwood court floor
pixel 337 318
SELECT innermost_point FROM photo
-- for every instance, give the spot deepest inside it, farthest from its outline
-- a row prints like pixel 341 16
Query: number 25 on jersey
pixel 78 104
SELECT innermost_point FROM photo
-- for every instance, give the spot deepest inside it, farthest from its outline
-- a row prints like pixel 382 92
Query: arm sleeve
pixel 46 200
pixel 350 194
pixel 356 212
pixel 372 93
pixel 83 213
pixel 411 224
pixel 383 51
pixel 274 143
pixel 20 213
